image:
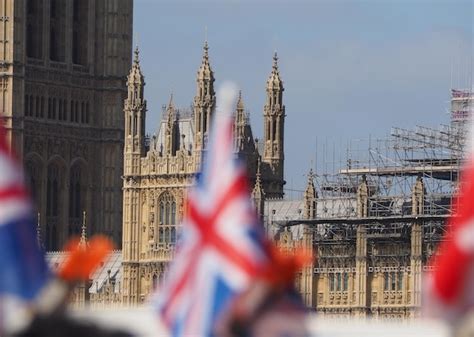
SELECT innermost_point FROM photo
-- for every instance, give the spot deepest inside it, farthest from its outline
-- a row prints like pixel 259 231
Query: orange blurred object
pixel 83 259
pixel 283 269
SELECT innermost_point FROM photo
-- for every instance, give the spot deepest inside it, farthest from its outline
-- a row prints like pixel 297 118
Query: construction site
pixel 374 223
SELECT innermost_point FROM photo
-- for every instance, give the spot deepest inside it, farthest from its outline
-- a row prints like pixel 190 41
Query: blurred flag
pixel 449 288
pixel 24 271
pixel 222 251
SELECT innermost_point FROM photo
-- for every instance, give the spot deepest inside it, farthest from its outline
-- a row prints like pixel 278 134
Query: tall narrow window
pixel 37 107
pixel 34 29
pixel 167 216
pixel 76 198
pixel 80 31
pixel 52 193
pixel 345 281
pixel 331 281
pixel 87 113
pixel 400 281
pixel 27 105
pixel 57 30
pixel 42 107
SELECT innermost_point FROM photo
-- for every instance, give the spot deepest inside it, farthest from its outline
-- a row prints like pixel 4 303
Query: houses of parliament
pixel 74 106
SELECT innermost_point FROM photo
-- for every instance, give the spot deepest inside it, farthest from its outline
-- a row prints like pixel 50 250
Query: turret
pixel 239 124
pixel 274 124
pixel 135 114
pixel 171 137
pixel 204 101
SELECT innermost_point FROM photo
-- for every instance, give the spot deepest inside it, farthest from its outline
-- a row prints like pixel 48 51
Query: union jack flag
pixel 24 269
pixel 222 247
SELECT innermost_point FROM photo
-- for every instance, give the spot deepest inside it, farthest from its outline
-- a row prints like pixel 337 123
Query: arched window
pixel 167 216
pixel 155 281
pixel 42 107
pixel 76 198
pixel 37 107
pixel 53 188
pixel 57 30
pixel 27 105
pixel 34 29
pixel 80 27
pixel 52 193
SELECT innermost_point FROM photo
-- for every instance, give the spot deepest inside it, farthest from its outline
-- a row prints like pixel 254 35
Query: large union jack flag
pixel 222 246
pixel 24 269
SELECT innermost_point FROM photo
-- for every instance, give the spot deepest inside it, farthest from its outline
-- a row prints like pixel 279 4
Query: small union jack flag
pixel 222 247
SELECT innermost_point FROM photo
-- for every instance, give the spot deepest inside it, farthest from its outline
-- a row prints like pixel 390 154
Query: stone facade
pixel 359 270
pixel 63 72
pixel 158 170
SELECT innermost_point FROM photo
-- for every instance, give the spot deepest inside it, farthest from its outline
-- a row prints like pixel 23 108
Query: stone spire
pixel 274 127
pixel 258 194
pixel 239 123
pixel 135 115
pixel 204 101
pixel 136 78
pixel 83 240
pixel 274 81
pixel 170 132
pixel 310 197
pixel 205 71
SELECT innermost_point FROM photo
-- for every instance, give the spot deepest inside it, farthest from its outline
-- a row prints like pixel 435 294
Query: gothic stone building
pixel 158 171
pixel 63 73
pixel 360 268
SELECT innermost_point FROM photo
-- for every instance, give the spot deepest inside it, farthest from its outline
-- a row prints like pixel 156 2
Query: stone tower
pixel 135 115
pixel 63 69
pixel 204 101
pixel 274 124
pixel 134 150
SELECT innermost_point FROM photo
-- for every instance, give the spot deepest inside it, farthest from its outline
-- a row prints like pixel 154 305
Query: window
pixel 155 281
pixel 34 29
pixel 50 108
pixel 27 105
pixel 52 192
pixel 75 208
pixel 167 216
pixel 57 27
pixel 80 31
pixel 42 107
pixel 393 281
pixel 37 107
pixel 339 281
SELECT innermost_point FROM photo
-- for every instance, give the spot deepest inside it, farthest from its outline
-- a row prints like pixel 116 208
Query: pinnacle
pixel 137 55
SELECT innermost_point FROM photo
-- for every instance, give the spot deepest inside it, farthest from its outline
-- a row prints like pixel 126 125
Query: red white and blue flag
pixel 222 247
pixel 22 264
pixel 449 290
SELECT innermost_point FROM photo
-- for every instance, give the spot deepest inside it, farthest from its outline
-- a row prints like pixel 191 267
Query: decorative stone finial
pixel 137 55
pixel 83 241
pixel 275 61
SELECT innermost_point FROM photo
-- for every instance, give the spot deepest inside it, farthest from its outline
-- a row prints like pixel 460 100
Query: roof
pixel 185 127
pixel 113 263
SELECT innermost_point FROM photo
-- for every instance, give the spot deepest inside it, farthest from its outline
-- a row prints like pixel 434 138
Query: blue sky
pixel 352 69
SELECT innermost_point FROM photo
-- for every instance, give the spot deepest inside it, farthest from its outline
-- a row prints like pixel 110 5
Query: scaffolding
pixel 409 179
